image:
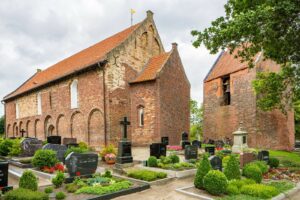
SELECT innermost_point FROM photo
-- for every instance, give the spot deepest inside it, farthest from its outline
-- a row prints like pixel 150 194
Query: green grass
pixel 285 155
pixel 282 186
pixel 239 197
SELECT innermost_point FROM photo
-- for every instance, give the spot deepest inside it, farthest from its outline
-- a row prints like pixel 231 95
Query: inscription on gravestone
pixel 79 164
pixel 191 152
pixel 30 145
pixel 158 149
pixel 3 174
pixel 59 149
pixel 263 155
pixel 216 162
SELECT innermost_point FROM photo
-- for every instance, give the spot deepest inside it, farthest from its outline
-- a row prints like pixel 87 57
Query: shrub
pixel 107 174
pixel 202 170
pixel 48 190
pixel 241 182
pixel 5 146
pixel 108 149
pixel 83 145
pixel 253 172
pixel 215 182
pixel 25 194
pixel 259 190
pixel 174 158
pixel 60 195
pixel 152 161
pixel 75 150
pixel 15 148
pixel 225 161
pixel 58 179
pixel 28 181
pixel 165 160
pixel 71 187
pixel 262 166
pixel 273 162
pixel 232 190
pixel 232 170
pixel 44 158
pixel 146 175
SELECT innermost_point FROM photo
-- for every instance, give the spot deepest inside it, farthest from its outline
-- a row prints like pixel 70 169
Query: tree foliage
pixel 2 124
pixel 297 119
pixel 196 118
pixel 268 26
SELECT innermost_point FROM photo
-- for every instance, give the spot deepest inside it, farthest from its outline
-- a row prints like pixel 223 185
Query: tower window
pixel 226 91
pixel 141 116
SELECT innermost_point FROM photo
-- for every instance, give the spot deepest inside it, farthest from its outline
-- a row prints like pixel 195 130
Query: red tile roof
pixel 226 64
pixel 78 61
pixel 152 68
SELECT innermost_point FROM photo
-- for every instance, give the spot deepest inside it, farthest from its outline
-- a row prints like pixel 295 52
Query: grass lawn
pixel 285 155
pixel 239 197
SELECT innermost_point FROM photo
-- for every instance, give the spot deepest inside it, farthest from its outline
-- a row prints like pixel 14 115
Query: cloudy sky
pixel 36 34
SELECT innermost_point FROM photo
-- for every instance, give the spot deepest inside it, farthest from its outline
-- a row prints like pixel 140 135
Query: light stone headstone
pixel 239 140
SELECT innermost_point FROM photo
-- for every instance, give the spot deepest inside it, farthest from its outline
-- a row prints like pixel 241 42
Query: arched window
pixel 17 111
pixel 141 116
pixel 39 103
pixel 74 94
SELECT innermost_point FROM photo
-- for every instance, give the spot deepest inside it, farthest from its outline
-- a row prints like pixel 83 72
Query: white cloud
pixel 36 34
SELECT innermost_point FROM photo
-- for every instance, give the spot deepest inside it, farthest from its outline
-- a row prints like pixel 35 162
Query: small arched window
pixel 141 116
pixel 74 94
pixel 17 111
pixel 39 103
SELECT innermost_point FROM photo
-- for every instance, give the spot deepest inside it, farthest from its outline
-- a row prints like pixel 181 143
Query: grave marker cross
pixel 22 132
pixel 125 123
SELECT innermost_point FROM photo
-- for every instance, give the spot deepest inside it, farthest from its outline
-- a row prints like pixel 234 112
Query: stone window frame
pixel 74 94
pixel 226 96
pixel 141 115
pixel 39 103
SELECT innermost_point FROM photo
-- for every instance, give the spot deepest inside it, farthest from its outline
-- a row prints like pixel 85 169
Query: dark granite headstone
pixel 30 145
pixel 69 141
pixel 191 152
pixel 124 151
pixel 59 149
pixel 196 143
pixel 184 136
pixel 210 150
pixel 165 140
pixel 216 162
pixel 246 158
pixel 3 174
pixel 263 155
pixel 185 143
pixel 158 149
pixel 54 139
pixel 79 164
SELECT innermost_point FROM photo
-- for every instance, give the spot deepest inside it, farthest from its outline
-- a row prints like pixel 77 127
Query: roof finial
pixel 174 45
pixel 149 14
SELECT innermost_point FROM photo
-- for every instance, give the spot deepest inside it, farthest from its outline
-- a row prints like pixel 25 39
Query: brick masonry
pixel 272 130
pixel 105 95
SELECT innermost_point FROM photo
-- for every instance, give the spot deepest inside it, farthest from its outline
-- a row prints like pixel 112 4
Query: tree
pixel 297 119
pixel 2 124
pixel 196 119
pixel 268 26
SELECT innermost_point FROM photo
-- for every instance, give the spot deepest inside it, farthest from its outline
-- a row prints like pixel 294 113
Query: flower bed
pixel 146 175
pixel 171 162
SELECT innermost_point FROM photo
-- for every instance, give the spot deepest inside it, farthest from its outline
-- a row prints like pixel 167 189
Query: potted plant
pixel 107 150
pixel 110 158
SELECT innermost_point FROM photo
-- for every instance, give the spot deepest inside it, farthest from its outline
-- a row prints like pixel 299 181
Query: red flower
pixel 77 173
pixel 59 167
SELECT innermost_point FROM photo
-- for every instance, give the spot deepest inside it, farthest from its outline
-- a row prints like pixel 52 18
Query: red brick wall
pixel 174 97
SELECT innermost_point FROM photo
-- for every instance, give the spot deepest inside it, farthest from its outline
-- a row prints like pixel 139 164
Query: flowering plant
pixel 174 148
pixel 59 167
pixel 110 158
pixel 48 169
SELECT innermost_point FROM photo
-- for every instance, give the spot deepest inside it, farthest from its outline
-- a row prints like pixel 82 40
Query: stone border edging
pixel 156 182
pixel 182 190
pixel 173 173
pixel 288 193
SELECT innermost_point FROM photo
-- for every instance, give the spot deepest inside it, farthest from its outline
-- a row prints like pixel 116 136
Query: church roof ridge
pixel 74 63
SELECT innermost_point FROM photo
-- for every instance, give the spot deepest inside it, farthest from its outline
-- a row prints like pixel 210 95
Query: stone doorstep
pixel 281 196
pixel 172 173
pixel 157 182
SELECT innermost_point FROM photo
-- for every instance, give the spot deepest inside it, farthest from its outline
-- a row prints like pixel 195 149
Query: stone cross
pixel 22 132
pixel 125 123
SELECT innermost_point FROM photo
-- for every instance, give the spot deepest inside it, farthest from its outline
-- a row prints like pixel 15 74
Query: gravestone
pixel 3 174
pixel 79 164
pixel 184 136
pixel 190 152
pixel 67 141
pixel 246 158
pixel 263 155
pixel 184 144
pixel 196 143
pixel 29 146
pixel 54 139
pixel 216 162
pixel 124 151
pixel 158 149
pixel 210 150
pixel 165 140
pixel 59 149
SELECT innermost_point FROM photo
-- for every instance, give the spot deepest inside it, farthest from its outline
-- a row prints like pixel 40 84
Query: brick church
pixel 230 99
pixel 87 94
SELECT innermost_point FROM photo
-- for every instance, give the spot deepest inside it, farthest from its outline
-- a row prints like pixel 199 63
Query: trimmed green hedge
pixel 202 170
pixel 259 190
pixel 215 182
pixel 146 175
pixel 25 194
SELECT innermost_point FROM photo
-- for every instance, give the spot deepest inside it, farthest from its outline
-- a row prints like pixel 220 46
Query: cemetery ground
pixel 65 169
